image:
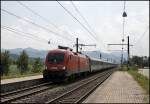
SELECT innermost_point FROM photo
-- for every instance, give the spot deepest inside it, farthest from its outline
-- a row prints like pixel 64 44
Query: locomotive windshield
pixel 56 58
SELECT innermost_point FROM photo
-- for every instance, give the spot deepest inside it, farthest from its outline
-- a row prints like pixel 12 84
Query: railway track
pixel 62 93
pixel 18 94
pixel 79 93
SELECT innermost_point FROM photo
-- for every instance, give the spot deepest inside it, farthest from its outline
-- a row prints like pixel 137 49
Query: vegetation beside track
pixel 21 67
pixel 15 73
pixel 141 79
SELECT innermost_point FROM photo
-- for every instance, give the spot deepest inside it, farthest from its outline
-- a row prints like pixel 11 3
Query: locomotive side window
pixel 56 58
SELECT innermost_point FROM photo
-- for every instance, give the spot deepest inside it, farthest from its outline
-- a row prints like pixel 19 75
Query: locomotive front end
pixel 55 66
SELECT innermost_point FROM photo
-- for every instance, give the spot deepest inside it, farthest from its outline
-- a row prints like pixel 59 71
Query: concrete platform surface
pixel 120 87
pixel 12 80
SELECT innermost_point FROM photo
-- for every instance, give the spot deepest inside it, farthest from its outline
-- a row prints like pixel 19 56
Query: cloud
pixel 76 2
pixel 67 2
pixel 24 23
pixel 106 20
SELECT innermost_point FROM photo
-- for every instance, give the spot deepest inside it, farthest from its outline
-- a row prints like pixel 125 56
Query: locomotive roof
pixel 66 51
pixel 59 50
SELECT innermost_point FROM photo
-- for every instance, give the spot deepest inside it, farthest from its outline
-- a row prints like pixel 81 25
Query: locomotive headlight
pixel 64 67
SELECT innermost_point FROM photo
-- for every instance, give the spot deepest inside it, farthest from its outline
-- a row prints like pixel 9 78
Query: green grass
pixel 14 73
pixel 123 68
pixel 142 80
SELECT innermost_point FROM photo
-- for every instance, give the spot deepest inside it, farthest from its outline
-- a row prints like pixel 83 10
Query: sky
pixel 104 25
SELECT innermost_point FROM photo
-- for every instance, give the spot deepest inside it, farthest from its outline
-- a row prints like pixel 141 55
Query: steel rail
pixel 90 91
pixel 59 98
pixel 20 94
pixel 24 89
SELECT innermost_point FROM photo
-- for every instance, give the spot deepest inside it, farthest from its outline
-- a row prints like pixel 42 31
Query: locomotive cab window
pixel 56 58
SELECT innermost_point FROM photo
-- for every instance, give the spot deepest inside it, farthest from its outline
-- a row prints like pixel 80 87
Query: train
pixel 63 63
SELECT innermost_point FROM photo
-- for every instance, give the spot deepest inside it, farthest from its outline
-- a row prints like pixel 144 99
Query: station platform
pixel 13 80
pixel 120 87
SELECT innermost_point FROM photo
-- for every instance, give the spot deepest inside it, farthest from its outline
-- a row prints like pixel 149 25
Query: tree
pixel 22 62
pixel 145 61
pixel 137 60
pixel 37 65
pixel 5 62
pixel 140 61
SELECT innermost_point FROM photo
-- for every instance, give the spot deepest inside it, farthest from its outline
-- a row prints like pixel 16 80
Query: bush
pixel 37 65
pixel 5 62
pixel 134 67
pixel 22 62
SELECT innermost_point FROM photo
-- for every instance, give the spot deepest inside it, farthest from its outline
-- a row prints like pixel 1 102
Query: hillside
pixel 33 53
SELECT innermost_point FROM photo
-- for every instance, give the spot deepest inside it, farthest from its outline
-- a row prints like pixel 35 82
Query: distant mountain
pixel 30 51
pixel 118 54
pixel 33 53
pixel 14 56
pixel 105 56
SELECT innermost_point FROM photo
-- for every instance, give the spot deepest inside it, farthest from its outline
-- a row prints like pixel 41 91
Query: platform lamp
pixel 49 42
pixel 124 14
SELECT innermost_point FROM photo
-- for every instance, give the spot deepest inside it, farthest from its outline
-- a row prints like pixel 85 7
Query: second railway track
pixel 78 94
pixel 18 94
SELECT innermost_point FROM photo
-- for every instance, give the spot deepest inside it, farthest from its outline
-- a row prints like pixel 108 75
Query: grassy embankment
pixel 14 73
pixel 141 79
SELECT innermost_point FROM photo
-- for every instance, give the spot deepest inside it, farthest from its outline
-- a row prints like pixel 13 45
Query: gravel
pixel 53 93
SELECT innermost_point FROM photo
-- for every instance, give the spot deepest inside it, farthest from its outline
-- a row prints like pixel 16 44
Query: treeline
pixel 140 61
pixel 22 63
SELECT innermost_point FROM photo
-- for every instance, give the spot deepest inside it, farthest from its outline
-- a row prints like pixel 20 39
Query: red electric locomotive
pixel 62 63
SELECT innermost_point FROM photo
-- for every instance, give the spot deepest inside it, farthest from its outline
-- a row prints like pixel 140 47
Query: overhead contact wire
pixel 35 24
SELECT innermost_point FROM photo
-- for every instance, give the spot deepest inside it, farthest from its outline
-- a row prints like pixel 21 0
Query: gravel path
pixel 13 80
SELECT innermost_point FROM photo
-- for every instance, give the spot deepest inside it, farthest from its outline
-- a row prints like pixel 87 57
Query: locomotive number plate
pixel 53 67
